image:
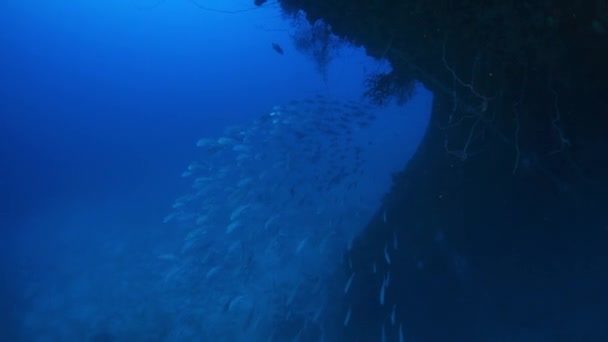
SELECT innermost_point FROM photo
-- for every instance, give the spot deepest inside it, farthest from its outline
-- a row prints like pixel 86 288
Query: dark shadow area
pixel 500 217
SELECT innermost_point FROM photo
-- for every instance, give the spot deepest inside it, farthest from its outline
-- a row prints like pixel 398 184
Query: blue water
pixel 101 107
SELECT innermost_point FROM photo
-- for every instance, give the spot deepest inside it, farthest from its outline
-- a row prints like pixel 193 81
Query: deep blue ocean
pixel 167 175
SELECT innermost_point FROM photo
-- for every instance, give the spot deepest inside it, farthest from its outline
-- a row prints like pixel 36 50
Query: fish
pixel 234 301
pixel 204 142
pixel 347 317
pixel 301 245
pixel 349 283
pixel 238 211
pixel 241 148
pixel 382 289
pixel 270 221
pixel 195 234
pixel 201 219
pixel 212 271
pixel 289 188
pixel 243 182
pixel 387 257
pixel 225 141
pixel 315 317
pixel 169 217
pixel 232 226
pixel 276 47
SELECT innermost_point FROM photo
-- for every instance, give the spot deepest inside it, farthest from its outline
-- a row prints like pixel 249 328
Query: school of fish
pixel 272 208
